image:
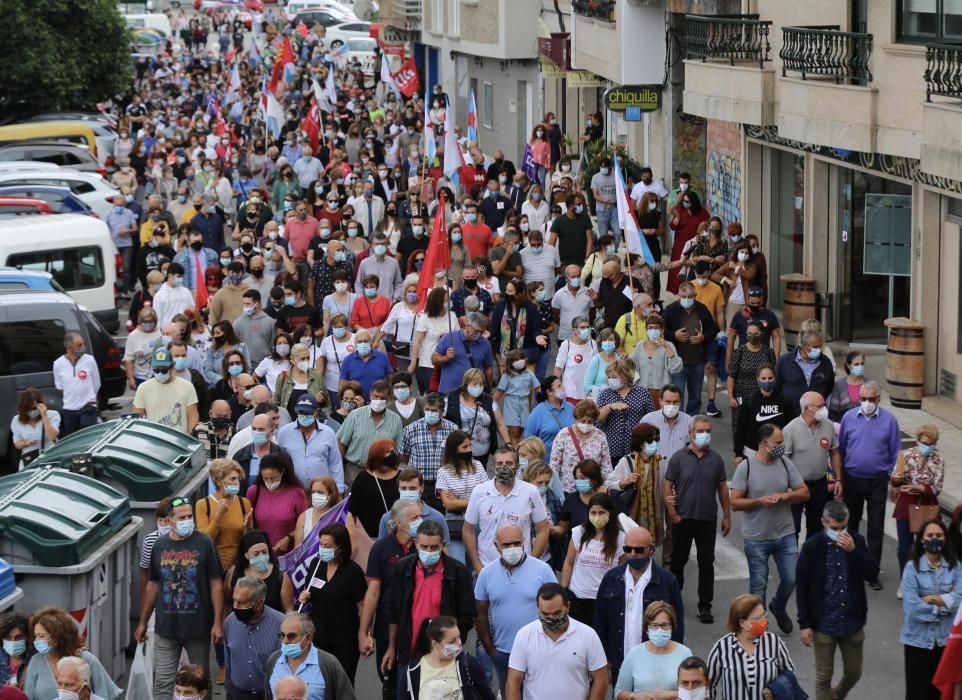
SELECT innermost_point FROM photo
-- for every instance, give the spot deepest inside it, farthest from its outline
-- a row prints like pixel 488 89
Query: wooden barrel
pixel 798 305
pixel 905 362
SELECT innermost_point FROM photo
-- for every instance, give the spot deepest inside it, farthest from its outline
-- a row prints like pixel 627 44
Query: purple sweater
pixel 869 446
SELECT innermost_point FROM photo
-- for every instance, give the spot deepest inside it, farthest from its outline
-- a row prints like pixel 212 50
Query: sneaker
pixel 713 410
pixel 705 616
pixel 898 593
pixel 875 585
pixel 784 621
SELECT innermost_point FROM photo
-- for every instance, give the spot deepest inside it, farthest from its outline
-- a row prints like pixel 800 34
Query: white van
pixel 76 249
pixel 338 9
pixel 153 20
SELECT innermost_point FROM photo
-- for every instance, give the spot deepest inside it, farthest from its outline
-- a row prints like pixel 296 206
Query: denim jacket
pixel 928 625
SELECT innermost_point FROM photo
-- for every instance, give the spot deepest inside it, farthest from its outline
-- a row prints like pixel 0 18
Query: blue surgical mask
pixel 325 554
pixel 180 363
pixel 432 417
pixel 574 282
pixel 702 440
pixel 686 303
pixel 475 390
pixel 414 525
pixel 584 333
pixel 161 377
pixel 409 495
pixel 305 420
pixel 471 217
pixel 542 295
pixel 41 646
pixel 289 300
pixel 184 528
pixel 402 394
pixel 455 237
pixel 235 370
pixel 608 345
pixel 579 208
pixel 363 349
pixel 232 489
pixel 604 171
pixel 832 534
pixel 340 332
pixel 583 485
pixel 542 490
pixel 654 333
pixel 258 437
pixel 651 448
pixel 858 370
pixel 926 450
pixel 339 256
pixel 380 250
pixel 370 292
pixel 14 647
pixel 659 638
pixel 119 210
pixel 260 562
pixel 429 558
pixel 292 650
pixel 814 353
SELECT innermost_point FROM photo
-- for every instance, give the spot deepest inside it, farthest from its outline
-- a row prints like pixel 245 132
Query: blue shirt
pixel 453 372
pixel 247 648
pixel 840 618
pixel 318 456
pixel 366 372
pixel 309 671
pixel 546 421
pixel 120 220
pixel 511 596
pixel 869 445
pixel 187 258
pixel 925 624
pixel 807 366
pixel 211 226
pixel 427 513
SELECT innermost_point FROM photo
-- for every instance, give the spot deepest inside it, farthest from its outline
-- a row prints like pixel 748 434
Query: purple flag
pixel 528 166
pixel 294 563
pixel 212 105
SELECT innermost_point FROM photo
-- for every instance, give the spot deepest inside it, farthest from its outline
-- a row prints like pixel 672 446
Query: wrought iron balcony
pixel 826 52
pixel 595 9
pixel 943 71
pixel 738 38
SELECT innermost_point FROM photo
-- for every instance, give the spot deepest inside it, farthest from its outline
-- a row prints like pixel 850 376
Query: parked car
pixel 362 51
pixel 295 7
pixel 14 279
pixel 60 199
pixel 11 207
pixel 32 327
pixel 336 36
pixel 91 188
pixel 104 117
pixel 67 155
pixel 325 18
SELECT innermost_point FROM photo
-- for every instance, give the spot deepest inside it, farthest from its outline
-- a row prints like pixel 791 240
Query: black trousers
pixel 818 497
pixel 72 421
pixel 235 694
pixel 860 493
pixel 389 679
pixel 583 609
pixel 347 654
pixel 920 666
pixel 702 533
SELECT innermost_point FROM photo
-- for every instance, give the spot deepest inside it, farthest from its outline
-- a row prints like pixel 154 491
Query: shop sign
pixel 646 98
pixel 584 79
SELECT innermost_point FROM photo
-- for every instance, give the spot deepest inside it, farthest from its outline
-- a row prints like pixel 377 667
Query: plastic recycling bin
pixel 72 543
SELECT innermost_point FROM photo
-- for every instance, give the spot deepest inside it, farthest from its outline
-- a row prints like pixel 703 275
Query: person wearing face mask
pixel 763 487
pixel 301 670
pixel 411 242
pixel 365 365
pixel 216 433
pixel 745 661
pixel 505 592
pixel 324 277
pixel 691 327
pixel 738 276
pixel 580 672
pixel 191 683
pixel 153 255
pixel 684 223
pixel 494 205
pixel 470 287
pixel 464 349
pixel 276 494
pixel 192 616
pixel 376 488
pixel 811 442
pixel 833 568
pixel 139 348
pixel 846 390
pixel 16 652
pixel 228 302
pixel 457 478
pixel 73 680
pixel 656 359
pixel 764 406
pixel 572 233
pixel 144 297
pixel 209 223
pixel 409 601
pixel 695 475
pixel 251 629
pixel 537 209
pixel 806 369
pixel 277 362
pixel 164 399
pixel 255 329
pixel 441 668
pixel 754 312
pixel 383 269
pixel 360 431
pixel 651 666
pixel 123 227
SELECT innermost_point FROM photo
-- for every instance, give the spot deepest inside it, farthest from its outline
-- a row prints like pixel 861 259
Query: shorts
pixel 514 409
pixel 715 355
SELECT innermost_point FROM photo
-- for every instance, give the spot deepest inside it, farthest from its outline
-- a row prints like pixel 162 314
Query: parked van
pixel 71 132
pixel 76 250
pixel 157 21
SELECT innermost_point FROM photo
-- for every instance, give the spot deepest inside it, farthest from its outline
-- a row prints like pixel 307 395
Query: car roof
pixel 57 173
pixel 55 189
pixel 22 297
pixel 14 272
pixel 42 143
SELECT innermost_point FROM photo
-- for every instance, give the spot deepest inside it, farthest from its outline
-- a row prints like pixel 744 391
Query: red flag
pixel 949 672
pixel 407 78
pixel 438 255
pixel 312 127
pixel 284 56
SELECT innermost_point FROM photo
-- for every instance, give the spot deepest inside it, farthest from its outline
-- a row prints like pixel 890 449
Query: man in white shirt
pixel 308 168
pixel 648 184
pixel 504 500
pixel 541 262
pixel 368 209
pixel 556 656
pixel 77 378
pixel 173 297
pixel 570 302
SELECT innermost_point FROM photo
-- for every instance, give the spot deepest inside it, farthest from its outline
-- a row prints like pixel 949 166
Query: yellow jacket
pixel 630 336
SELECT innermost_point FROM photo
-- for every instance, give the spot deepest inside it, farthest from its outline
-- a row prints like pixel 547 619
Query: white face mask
pixel 868 407
pixel 585 427
pixel 821 414
pixel 319 500
pixel 670 410
pixel 693 694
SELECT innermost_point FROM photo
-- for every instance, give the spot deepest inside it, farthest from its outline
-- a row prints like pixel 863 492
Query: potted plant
pixel 591 163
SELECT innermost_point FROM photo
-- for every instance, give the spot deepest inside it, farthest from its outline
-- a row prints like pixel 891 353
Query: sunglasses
pixel 628 549
pixel 179 502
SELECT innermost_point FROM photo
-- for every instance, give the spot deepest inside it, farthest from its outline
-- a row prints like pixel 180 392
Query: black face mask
pixel 197 245
pixel 219 423
pixel 244 615
pixel 247 247
pixel 390 460
pixel 470 284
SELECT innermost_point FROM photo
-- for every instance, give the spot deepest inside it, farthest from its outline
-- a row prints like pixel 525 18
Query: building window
pixel 487 105
pixel 930 20
pixel 454 18
pixel 437 21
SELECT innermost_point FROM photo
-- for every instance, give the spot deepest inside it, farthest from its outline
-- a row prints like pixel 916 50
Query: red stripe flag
pixel 284 56
pixel 949 673
pixel 311 126
pixel 438 255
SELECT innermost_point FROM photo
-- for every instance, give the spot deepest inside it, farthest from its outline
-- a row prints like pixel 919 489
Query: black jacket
pixel 532 330
pixel 471 676
pixel 790 380
pixel 457 599
pixel 810 578
pixel 674 316
pixel 756 411
pixel 485 401
pixel 243 458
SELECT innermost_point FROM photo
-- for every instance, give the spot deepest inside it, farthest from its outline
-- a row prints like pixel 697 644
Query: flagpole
pixel 631 282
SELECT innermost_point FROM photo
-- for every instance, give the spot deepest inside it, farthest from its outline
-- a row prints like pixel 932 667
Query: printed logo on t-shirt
pixel 579 359
pixel 350 348
pixel 179 571
pixel 823 443
pixel 82 374
pixel 512 518
pixel 489 285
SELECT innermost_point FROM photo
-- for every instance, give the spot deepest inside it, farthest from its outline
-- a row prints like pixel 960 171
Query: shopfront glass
pixel 874 254
pixel 787 217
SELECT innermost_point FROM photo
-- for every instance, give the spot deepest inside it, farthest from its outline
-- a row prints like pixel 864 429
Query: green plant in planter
pixel 594 152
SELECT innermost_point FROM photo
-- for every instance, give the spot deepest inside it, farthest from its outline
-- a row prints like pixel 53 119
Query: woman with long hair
pixel 375 490
pixel 223 340
pixel 458 476
pixel 441 668
pixel 595 547
pixel 35 427
pixel 541 151
pixel 436 320
pixel 277 498
pixel 323 497
pixel 233 365
pixel 639 476
pixel 256 558
pixel 738 275
pixel 516 325
pixel 460 254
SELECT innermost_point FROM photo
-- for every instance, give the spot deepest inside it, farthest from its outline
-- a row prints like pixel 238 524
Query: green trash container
pixel 72 543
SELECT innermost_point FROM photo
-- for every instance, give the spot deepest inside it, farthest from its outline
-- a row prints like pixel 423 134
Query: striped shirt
pixel 460 485
pixel 672 437
pixel 359 431
pixel 424 448
pixel 146 547
pixel 247 648
pixel 734 675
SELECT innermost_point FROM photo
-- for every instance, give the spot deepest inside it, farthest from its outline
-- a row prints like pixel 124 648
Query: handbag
pixel 29 457
pixel 920 514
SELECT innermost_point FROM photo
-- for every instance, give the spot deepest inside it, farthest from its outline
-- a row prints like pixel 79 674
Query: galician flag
pixel 636 243
pixel 430 143
pixel 473 120
pixel 234 86
pixel 453 158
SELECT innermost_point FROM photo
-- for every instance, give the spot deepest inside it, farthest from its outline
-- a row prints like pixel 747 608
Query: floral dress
pixel 565 454
pixel 618 425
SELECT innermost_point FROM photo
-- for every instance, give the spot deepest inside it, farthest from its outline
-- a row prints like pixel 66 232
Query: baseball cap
pixel 161 358
pixel 305 405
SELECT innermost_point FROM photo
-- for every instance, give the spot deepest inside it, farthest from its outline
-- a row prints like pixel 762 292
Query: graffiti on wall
pixel 724 170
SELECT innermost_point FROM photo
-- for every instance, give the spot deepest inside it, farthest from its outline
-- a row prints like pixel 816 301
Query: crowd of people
pixel 514 439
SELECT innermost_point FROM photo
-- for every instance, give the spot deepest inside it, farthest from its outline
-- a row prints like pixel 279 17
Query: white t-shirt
pixel 270 369
pixel 557 669
pixel 166 403
pixel 170 301
pixel 334 353
pixel 400 322
pixel 640 188
pixel 540 267
pixel 460 485
pixel 573 360
pixel 79 383
pixel 433 329
pixel 488 510
pixel 139 348
pixel 492 286
pixel 591 565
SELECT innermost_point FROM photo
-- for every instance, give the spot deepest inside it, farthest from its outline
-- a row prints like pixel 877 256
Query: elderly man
pixel 632 327
pixel 811 442
pixel 806 369
pixel 291 688
pixel 215 433
pixel 259 279
pixel 365 365
pixel 250 637
pixel 299 658
pixel 261 394
pixel 312 445
pixel 869 443
pixel 73 676
pixel 689 324
pixel 462 350
pixel 242 400
pixel 420 439
pixel 179 205
pixel 570 302
pixel 611 295
pixel 505 592
pixel 505 260
pixel 365 425
pixel 209 223
pixel 625 593
pixel 262 443
pixel 77 376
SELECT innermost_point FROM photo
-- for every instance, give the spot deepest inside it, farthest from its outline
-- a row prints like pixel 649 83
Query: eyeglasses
pixel 628 549
pixel 235 364
pixel 665 626
pixel 289 636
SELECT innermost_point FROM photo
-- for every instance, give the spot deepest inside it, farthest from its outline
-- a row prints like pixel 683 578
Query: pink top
pixel 541 152
pixel 275 512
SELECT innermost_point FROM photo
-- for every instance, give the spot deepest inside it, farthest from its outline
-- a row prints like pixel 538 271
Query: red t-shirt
pixel 478 239
pixel 427 597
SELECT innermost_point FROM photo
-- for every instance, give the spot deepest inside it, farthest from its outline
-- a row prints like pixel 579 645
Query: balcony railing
pixel 826 52
pixel 740 38
pixel 943 71
pixel 595 9
pixel 402 13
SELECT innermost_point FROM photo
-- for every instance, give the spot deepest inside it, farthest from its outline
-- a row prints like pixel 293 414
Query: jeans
pixel 167 660
pixel 784 551
pixel 541 366
pixel 129 259
pixel 906 537
pixel 818 497
pixel 72 421
pixel 690 380
pixel 702 533
pixel 486 663
pixel 457 551
pixel 543 176
pixel 500 663
pixel 851 648
pixel 423 375
pixel 607 216
pixel 872 491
